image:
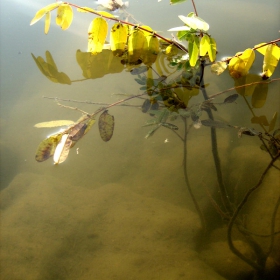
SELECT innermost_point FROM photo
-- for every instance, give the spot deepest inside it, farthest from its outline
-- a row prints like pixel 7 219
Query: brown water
pixel 121 209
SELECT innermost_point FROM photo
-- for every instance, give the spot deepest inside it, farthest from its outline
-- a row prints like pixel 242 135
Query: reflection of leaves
pixel 273 122
pixel 49 69
pixel 106 126
pixel 97 66
pixel 219 67
pixel 259 95
pixel 231 98
pixel 262 120
pixel 248 79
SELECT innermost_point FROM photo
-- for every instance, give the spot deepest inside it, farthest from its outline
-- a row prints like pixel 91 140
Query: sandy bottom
pixel 52 230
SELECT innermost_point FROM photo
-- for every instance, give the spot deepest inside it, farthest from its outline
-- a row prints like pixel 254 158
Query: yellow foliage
pixel 118 38
pixel 97 33
pixel 64 16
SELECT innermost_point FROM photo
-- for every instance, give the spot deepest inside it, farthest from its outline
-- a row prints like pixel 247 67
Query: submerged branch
pixel 234 217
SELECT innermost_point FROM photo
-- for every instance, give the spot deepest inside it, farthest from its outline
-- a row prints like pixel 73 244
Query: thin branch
pixel 235 214
pixel 246 85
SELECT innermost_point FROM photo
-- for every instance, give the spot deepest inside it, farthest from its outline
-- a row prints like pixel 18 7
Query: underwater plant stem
pixel 222 188
pixel 255 265
pixel 201 216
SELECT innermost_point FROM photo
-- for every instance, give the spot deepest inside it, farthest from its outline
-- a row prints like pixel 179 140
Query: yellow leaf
pixel 54 123
pixel 146 33
pixel 97 33
pixel 118 38
pixel 44 10
pixel 270 61
pixel 150 50
pixel 246 80
pixel 50 60
pixel 47 22
pixel 135 45
pixel 212 49
pixel 240 65
pixel 86 10
pixel 261 50
pixel 171 50
pixel 204 45
pixel 62 149
pixel 64 16
pixel 47 147
pixel 248 56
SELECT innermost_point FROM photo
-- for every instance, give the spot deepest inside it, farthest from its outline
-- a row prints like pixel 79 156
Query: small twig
pixel 73 108
pixel 246 85
pixel 194 8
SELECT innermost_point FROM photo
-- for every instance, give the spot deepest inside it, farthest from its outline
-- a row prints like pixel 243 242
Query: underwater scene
pixel 139 140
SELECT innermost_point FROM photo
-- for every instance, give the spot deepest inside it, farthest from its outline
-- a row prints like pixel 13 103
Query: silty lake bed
pixel 121 209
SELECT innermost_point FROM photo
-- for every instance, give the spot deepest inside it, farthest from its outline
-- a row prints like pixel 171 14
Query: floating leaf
pixel 64 16
pixel 47 147
pixel 273 122
pixel 54 123
pixel 270 61
pixel 62 149
pixel 219 67
pixel 118 38
pixel 106 126
pixel 194 22
pixel 97 33
pixel 45 10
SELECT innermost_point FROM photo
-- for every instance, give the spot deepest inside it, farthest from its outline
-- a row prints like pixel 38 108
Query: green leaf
pixel 212 49
pixel 173 2
pixel 194 22
pixel 97 33
pixel 193 50
pixel 106 126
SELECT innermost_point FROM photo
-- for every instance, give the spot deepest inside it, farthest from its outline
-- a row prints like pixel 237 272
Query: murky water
pixel 121 209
